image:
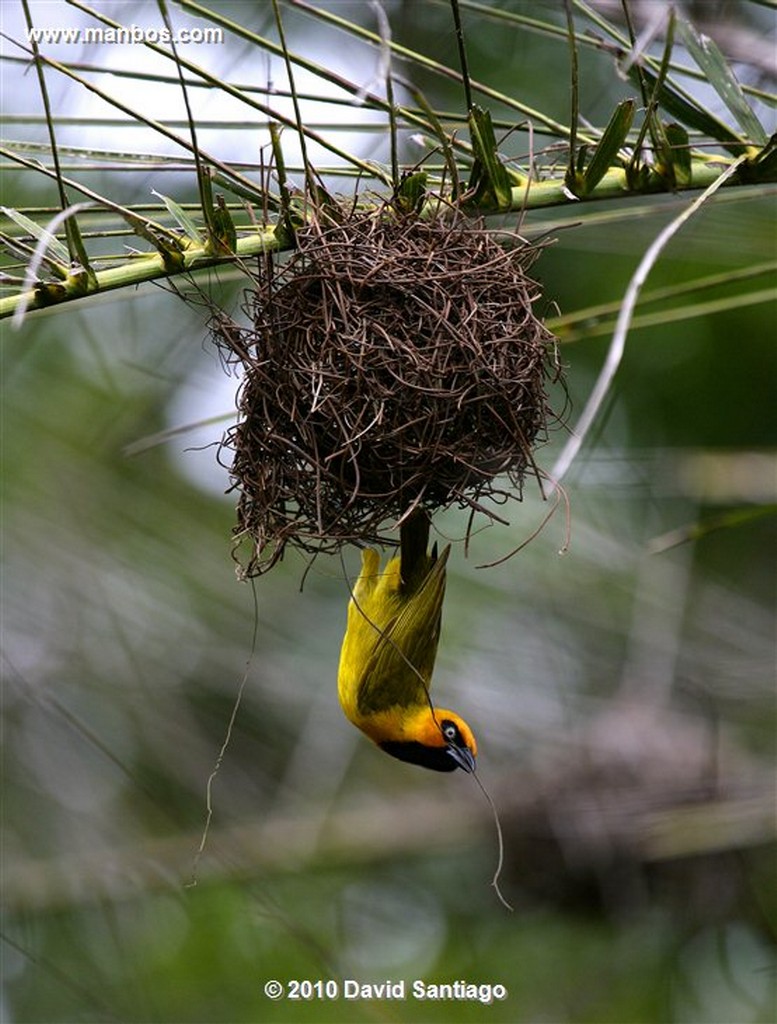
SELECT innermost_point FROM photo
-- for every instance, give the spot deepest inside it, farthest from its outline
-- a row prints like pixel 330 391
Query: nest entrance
pixel 392 361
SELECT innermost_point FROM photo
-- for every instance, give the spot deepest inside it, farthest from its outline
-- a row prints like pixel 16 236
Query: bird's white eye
pixel 450 732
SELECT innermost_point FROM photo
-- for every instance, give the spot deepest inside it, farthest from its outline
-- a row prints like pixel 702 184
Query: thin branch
pixel 574 117
pixel 460 42
pixel 44 93
pixel 207 210
pixel 618 343
pixel 309 176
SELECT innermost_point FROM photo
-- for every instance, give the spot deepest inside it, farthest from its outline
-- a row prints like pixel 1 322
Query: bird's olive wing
pixel 399 669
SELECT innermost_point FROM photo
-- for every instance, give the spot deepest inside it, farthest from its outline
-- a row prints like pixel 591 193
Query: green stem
pixel 538 195
pixel 150 267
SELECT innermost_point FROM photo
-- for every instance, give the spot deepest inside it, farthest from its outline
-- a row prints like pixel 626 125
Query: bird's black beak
pixel 463 757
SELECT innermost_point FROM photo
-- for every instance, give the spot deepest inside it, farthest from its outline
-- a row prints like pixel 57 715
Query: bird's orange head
pixel 439 739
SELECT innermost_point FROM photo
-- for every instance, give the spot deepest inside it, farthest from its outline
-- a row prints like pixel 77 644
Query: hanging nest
pixel 392 362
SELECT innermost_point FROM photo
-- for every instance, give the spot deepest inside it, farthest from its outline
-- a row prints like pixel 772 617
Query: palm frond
pixel 611 159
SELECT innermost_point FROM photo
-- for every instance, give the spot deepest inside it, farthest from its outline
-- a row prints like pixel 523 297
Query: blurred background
pixel 622 692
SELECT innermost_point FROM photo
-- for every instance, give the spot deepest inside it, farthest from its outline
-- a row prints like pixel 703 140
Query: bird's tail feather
pixel 414 541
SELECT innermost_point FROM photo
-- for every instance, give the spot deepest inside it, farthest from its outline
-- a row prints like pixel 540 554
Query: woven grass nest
pixel 391 362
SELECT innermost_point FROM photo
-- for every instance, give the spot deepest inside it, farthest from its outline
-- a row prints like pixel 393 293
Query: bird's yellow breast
pixel 375 603
pixel 390 643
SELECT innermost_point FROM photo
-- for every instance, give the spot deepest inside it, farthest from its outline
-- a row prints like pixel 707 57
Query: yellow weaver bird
pixel 388 653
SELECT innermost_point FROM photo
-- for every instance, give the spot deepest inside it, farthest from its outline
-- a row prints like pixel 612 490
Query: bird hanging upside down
pixel 388 653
